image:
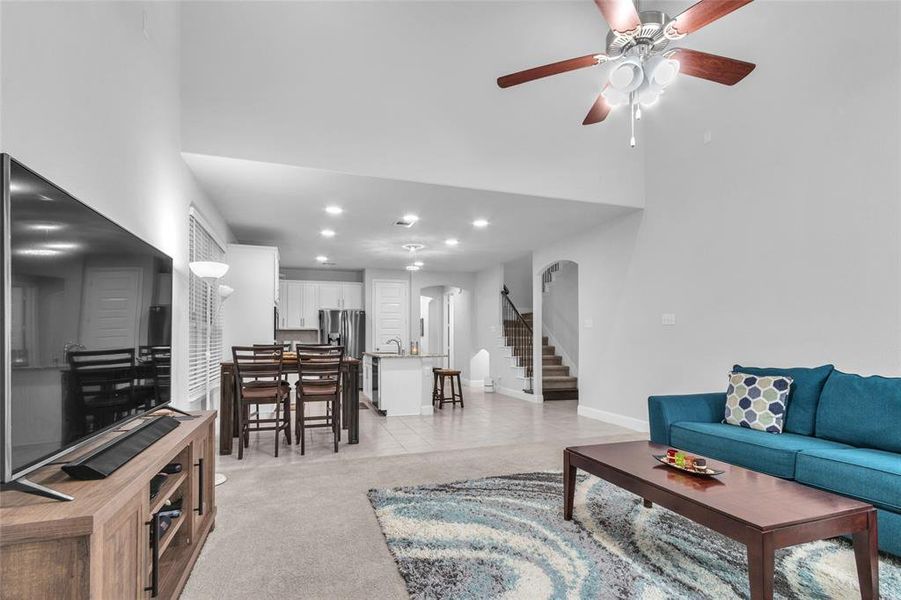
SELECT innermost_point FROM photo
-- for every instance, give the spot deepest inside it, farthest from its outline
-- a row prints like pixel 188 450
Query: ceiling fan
pixel 645 66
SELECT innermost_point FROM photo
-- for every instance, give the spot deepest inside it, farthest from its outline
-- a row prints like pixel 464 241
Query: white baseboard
pixel 473 382
pixel 426 410
pixel 614 418
pixel 519 394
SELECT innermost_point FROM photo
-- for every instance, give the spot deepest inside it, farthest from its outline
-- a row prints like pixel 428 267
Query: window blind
pixel 202 303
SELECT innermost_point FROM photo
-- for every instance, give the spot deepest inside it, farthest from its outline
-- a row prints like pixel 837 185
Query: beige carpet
pixel 294 530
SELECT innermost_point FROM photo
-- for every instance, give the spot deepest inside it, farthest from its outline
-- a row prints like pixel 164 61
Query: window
pixel 202 303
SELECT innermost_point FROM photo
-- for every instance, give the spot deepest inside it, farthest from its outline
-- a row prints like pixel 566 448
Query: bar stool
pixel 440 376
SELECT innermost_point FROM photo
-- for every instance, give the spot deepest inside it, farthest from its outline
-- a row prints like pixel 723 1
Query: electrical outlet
pixel 589 323
pixel 668 319
pixel 708 136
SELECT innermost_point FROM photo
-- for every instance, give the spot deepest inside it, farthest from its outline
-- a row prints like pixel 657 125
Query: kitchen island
pixel 400 384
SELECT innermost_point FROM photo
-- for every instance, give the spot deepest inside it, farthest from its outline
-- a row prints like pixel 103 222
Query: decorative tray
pixel 708 472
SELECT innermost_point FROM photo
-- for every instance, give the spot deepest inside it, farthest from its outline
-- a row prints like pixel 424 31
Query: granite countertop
pixel 382 355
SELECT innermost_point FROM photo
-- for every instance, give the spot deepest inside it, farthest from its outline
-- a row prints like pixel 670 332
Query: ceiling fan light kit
pixel 643 66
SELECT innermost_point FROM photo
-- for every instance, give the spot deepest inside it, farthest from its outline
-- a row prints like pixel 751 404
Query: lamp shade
pixel 627 75
pixel 225 291
pixel 207 269
pixel 660 71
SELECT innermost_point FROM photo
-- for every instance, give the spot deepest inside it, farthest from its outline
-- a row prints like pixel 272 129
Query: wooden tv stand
pixel 98 546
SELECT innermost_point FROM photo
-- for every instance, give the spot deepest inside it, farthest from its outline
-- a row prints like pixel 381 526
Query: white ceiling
pixel 284 205
pixel 406 90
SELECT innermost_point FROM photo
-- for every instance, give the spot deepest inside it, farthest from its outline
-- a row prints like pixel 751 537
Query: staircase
pixel 556 382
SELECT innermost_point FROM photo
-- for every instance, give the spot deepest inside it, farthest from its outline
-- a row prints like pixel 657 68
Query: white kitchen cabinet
pixel 352 296
pixel 301 301
pixel 330 296
pixel 309 304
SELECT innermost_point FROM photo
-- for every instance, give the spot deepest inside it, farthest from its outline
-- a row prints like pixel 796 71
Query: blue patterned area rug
pixel 505 537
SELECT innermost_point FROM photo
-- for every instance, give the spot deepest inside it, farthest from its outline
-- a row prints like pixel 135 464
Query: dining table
pixel 228 407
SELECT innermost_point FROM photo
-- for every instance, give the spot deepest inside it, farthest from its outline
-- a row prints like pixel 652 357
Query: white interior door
pixel 449 328
pixel 391 308
pixel 111 312
pixel 424 324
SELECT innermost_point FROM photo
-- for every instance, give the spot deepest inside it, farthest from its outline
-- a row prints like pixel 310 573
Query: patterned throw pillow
pixel 757 402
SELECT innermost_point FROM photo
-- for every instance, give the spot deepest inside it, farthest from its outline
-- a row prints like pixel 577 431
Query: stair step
pixel 560 383
pixel 555 371
pixel 544 340
pixel 551 360
pixel 548 350
pixel 550 395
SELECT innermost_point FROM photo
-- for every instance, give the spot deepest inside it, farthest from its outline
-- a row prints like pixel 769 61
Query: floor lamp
pixel 211 272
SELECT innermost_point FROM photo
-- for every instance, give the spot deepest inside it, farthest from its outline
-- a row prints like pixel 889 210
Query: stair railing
pixel 518 335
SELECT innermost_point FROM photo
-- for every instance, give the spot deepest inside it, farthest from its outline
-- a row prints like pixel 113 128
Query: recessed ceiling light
pixel 321 258
pixel 413 247
pixel 327 233
pixel 412 268
pixel 480 223
pixel 418 263
pixel 451 241
pixel 62 245
pixel 37 252
pixel 410 218
pixel 334 210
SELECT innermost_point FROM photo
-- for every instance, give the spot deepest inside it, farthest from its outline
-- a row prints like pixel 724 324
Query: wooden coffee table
pixel 762 512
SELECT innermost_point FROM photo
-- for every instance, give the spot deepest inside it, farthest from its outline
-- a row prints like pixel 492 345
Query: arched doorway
pixel 559 322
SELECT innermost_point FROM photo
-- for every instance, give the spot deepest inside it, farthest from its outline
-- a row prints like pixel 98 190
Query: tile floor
pixel 486 420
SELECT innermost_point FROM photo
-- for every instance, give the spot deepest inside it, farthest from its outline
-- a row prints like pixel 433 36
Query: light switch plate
pixel 668 319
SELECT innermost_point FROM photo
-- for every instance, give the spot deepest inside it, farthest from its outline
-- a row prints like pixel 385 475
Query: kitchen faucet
pixel 397 341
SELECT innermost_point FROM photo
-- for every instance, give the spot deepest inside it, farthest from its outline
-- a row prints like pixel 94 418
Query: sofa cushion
pixel 861 411
pixel 873 476
pixel 757 401
pixel 800 416
pixel 749 448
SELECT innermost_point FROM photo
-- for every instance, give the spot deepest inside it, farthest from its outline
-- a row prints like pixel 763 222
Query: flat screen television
pixel 87 326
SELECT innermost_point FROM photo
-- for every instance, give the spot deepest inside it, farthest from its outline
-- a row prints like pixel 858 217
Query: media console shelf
pixel 100 545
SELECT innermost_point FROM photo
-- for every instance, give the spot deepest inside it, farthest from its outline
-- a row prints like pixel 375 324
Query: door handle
pixel 199 464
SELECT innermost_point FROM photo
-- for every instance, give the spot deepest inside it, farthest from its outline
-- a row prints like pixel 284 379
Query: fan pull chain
pixel 632 114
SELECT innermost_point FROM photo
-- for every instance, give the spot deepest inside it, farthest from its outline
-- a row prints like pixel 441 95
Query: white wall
pixel 560 314
pixel 93 105
pixel 518 279
pixel 777 243
pixel 464 307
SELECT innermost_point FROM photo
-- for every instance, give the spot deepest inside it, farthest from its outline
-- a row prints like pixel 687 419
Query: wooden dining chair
pixel 258 381
pixel 319 368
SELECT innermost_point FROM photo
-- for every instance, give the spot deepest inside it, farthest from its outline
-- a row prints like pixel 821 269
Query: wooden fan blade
pixel 599 111
pixel 711 67
pixel 556 68
pixel 703 13
pixel 620 14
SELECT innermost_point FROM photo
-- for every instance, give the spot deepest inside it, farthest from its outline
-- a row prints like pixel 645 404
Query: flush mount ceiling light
pixel 327 233
pixel 412 267
pixel 321 258
pixel 334 210
pixel 412 247
pixel 408 220
pixel 480 223
pixel 418 263
pixel 452 241
pixel 642 65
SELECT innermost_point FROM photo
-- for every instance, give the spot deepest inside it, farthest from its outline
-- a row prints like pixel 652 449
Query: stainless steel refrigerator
pixel 344 328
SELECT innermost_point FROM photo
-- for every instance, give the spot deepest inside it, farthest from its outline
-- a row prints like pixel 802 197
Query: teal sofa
pixel 842 433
